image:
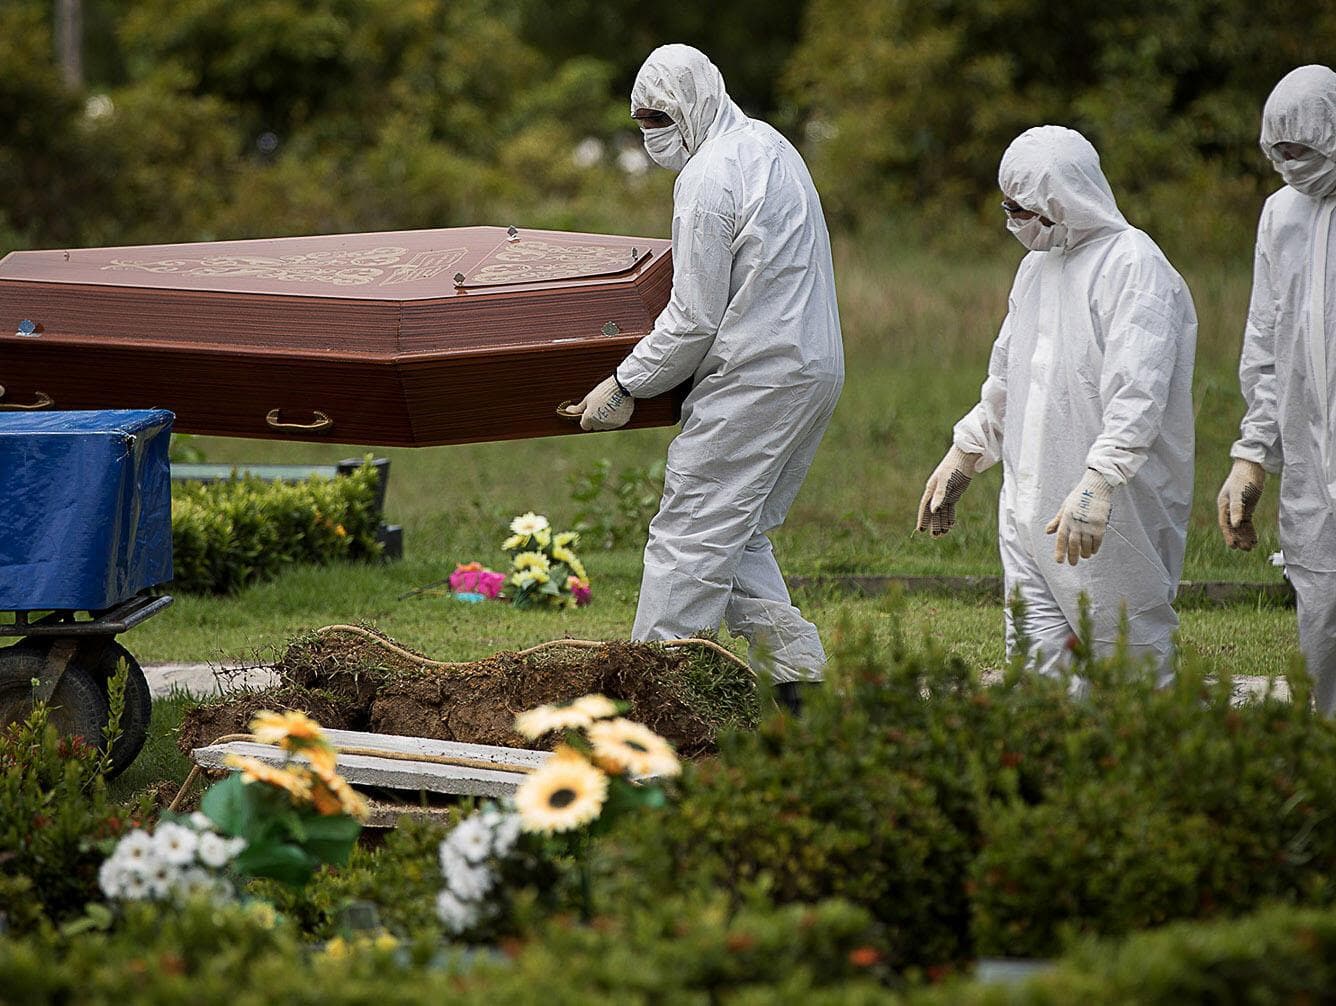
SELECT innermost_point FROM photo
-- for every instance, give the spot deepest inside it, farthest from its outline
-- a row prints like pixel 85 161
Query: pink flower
pixel 579 590
pixel 473 578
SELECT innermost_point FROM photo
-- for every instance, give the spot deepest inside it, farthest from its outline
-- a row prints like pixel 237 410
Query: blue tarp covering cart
pixel 85 537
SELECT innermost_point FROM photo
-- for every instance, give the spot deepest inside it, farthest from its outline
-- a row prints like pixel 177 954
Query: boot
pixel 789 695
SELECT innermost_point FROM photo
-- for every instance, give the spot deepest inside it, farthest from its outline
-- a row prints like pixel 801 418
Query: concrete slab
pixel 472 778
pixel 202 680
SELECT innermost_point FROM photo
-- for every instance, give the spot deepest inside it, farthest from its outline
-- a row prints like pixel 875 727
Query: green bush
pixel 1278 955
pixel 869 797
pixel 56 823
pixel 681 952
pixel 226 535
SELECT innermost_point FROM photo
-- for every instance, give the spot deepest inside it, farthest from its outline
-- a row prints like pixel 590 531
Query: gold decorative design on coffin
pixel 543 261
pixel 381 266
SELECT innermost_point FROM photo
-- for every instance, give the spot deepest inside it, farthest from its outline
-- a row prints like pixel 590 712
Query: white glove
pixel 1081 521
pixel 607 407
pixel 1237 501
pixel 937 508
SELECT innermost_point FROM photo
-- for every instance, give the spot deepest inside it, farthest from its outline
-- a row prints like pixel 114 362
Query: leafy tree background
pixel 210 119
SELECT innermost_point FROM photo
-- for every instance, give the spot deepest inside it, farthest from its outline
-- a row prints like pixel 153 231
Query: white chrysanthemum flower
pixel 192 880
pixel 175 844
pixel 529 523
pixel 473 839
pixel 111 877
pixel 451 859
pixel 505 832
pixel 470 883
pixel 214 850
pixel 136 847
pixel 455 914
pixel 162 877
pixel 235 847
pixel 201 822
pixel 135 886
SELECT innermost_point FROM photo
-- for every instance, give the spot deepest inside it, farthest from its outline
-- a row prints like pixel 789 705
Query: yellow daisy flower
pixel 543 538
pixel 546 719
pixel 514 541
pixel 577 567
pixel 567 539
pixel 597 707
pixel 529 523
pixel 563 554
pixel 294 731
pixel 253 770
pixel 337 948
pixel 332 795
pixel 532 560
pixel 632 747
pixel 529 577
pixel 565 793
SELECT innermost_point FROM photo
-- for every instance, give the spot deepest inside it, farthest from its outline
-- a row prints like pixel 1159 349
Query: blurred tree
pixel 907 103
pixel 749 40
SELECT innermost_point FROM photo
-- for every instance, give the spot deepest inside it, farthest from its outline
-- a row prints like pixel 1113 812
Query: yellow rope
pixel 585 644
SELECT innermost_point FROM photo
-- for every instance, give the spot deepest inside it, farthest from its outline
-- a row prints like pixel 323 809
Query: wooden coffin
pixel 409 338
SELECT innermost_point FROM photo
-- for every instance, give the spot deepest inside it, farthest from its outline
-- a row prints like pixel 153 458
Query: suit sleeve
pixel 703 232
pixel 980 431
pixel 1259 433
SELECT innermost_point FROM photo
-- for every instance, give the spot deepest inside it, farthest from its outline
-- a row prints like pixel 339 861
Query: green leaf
pixel 331 839
pixel 277 860
pixel 229 806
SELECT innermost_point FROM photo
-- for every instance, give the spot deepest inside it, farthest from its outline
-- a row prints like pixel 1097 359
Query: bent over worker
pixel 753 327
pixel 1088 406
pixel 1288 366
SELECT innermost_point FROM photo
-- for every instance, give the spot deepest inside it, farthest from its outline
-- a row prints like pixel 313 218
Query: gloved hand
pixel 937 508
pixel 607 407
pixel 1237 501
pixel 1081 521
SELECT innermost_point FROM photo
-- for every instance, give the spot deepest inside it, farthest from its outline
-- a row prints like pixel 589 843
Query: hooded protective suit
pixel 1092 370
pixel 752 324
pixel 1288 366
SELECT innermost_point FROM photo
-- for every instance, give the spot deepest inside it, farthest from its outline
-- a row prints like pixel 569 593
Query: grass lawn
pixel 917 334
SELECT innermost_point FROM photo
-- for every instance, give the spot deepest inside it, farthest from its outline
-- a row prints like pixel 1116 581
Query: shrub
pixel 55 819
pixel 226 535
pixel 868 797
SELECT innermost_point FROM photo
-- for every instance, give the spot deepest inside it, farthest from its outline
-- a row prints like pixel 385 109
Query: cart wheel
pixel 138 705
pixel 78 705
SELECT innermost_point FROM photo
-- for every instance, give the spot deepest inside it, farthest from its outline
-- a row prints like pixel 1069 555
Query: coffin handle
pixel 566 411
pixel 43 401
pixel 322 422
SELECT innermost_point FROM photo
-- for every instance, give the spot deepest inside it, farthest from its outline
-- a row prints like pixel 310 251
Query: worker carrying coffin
pixel 753 325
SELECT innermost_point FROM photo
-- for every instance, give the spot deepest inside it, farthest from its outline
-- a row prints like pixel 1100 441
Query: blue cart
pixel 85 543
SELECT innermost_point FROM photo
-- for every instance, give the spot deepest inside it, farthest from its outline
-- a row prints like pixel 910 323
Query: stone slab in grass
pixel 470 776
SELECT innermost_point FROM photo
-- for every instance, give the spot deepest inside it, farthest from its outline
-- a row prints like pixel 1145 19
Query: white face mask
pixel 1035 236
pixel 1312 174
pixel 666 146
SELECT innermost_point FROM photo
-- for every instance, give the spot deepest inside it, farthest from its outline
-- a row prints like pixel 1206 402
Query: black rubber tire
pixel 78 704
pixel 138 705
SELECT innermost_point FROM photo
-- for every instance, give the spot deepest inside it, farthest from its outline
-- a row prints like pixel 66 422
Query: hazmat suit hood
pixel 682 82
pixel 1302 109
pixel 1054 171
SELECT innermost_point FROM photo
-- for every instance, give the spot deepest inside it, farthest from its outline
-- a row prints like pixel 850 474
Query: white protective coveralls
pixel 752 324
pixel 1092 369
pixel 1288 367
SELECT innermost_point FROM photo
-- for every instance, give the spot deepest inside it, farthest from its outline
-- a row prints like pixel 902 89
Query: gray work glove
pixel 1082 519
pixel 937 508
pixel 607 407
pixel 1237 501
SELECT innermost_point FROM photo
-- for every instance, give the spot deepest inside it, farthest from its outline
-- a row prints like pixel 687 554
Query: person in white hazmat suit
pixel 1288 367
pixel 1088 406
pixel 752 325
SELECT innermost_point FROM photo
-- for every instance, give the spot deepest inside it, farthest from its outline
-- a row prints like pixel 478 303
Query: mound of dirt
pixel 349 682
pixel 231 714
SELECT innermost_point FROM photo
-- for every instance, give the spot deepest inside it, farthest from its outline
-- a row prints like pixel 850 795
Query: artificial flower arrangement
pixel 544 569
pixel 606 766
pixel 262 821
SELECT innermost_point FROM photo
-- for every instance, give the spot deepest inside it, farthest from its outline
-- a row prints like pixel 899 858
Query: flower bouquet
pixel 545 571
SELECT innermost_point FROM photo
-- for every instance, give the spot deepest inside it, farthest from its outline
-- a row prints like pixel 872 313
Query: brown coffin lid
pixel 388 332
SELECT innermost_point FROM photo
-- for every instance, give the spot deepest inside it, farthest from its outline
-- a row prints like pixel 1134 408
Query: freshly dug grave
pixel 687 694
